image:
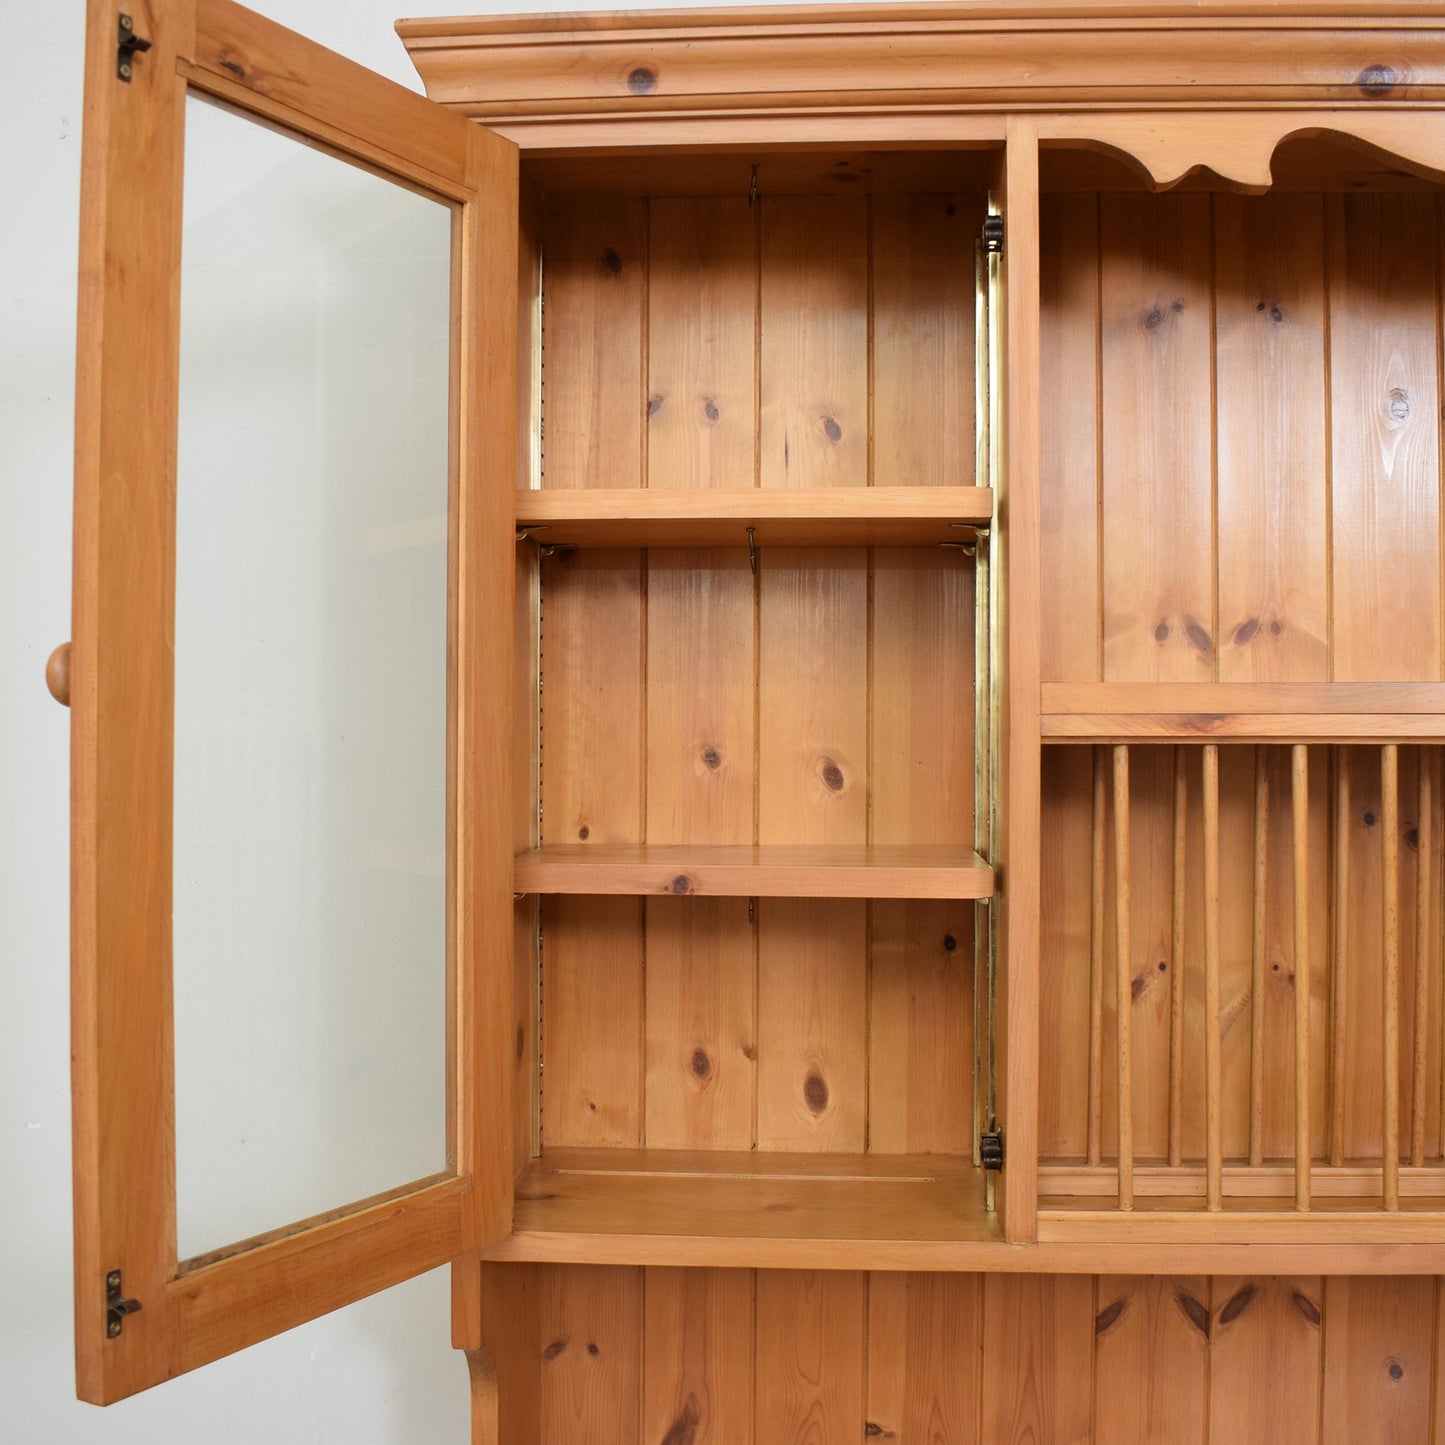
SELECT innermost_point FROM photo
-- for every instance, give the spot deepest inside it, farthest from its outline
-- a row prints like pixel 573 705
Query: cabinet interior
pixel 775 1059
pixel 1241 465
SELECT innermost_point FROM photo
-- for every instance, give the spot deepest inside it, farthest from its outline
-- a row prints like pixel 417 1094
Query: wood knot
pixel 750 1053
pixel 584 833
pixel 683 1430
pixel 642 80
pixel 949 943
pixel 611 261
pixel 1154 319
pixel 592 1349
pixel 1246 632
pixel 1275 627
pixel 1237 1303
pixel 832 776
pixel 1137 985
pixel 712 758
pixel 1161 632
pixel 1197 636
pixel 1395 1370
pixel 655 403
pixel 1412 836
pixel 832 430
pixel 680 885
pixel 239 71
pixel 1399 404
pixel 710 409
pixel 1368 818
pixel 1376 80
pixel 1193 1311
pixel 815 1093
pixel 1109 1316
pixel 521 1043
pixel 700 1063
pixel 872 1431
pixel 1307 1307
pixel 555 1348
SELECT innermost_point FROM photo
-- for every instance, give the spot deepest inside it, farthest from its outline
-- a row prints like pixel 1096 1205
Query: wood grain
pixel 1037 1359
pixel 809 1360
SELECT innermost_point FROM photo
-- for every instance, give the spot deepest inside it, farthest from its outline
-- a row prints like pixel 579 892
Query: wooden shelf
pixel 779 517
pixel 776 871
pixel 838 1211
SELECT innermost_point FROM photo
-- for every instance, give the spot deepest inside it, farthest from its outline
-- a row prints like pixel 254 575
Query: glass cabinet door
pixel 290 743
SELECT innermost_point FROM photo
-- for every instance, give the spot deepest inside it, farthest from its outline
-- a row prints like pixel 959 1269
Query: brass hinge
pixel 993 235
pixel 117 1306
pixel 990 1149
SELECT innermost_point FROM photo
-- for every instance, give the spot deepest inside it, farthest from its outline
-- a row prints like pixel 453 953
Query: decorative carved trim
pixel 605 70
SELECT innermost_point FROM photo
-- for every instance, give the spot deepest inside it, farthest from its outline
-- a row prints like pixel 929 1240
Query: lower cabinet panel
pixel 625 1356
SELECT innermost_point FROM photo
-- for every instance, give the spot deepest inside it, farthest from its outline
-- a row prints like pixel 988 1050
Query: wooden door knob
pixel 57 674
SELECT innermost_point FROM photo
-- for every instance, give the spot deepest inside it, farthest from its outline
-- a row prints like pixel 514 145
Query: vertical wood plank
pixel 1037 1359
pixel 809 1358
pixel 592 985
pixel 920 994
pixel 1379 1347
pixel 1340 953
pixel 1178 903
pixel 1385 408
pixel 1265 1360
pixel 1123 979
pixel 1258 949
pixel 595 276
pixel 1069 413
pixel 1151 1353
pixel 1097 929
pixel 1390 1051
pixel 1213 1021
pixel 1270 419
pixel 1071 969
pixel 923 339
pixel 1157 446
pixel 812 787
pixel 814 348
pixel 701 349
pixel 1303 992
pixel 924 1333
pixel 1420 1023
pixel 591 1355
pixel 697 1356
pixel 699 1027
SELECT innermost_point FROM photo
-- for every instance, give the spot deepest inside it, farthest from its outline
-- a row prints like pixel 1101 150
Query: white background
pixel 381 1372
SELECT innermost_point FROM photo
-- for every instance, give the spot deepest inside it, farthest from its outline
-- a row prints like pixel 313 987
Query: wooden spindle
pixel 1123 979
pixel 1257 954
pixel 1424 889
pixel 1300 798
pixel 1213 1109
pixel 1096 961
pixel 1176 963
pixel 1340 913
pixel 1390 826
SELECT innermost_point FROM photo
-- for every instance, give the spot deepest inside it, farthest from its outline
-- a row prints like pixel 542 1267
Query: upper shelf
pixel 779 517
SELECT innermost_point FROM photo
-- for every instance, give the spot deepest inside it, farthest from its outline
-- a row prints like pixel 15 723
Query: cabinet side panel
pixel 1385 437
pixel 1157 478
pixel 702 343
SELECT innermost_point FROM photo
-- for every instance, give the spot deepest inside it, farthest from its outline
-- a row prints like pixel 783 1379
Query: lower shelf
pixel 822 1211
pixel 769 871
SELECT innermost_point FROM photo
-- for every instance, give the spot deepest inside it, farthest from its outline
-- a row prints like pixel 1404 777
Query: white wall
pixel 382 1372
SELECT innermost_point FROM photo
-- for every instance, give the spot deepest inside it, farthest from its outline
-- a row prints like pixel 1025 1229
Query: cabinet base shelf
pixel 751 1209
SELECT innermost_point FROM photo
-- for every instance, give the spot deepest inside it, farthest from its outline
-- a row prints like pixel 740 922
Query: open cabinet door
pixel 291 927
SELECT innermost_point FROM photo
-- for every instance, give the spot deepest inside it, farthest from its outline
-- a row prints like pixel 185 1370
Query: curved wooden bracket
pixel 1166 147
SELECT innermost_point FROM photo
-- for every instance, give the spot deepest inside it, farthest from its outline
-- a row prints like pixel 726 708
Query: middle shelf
pixel 750 871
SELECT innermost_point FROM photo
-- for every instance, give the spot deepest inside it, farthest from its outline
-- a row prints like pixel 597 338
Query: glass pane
pixel 311 625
